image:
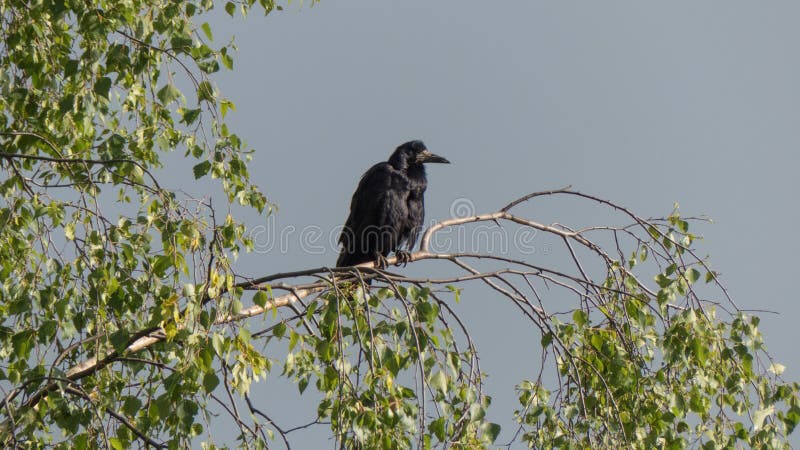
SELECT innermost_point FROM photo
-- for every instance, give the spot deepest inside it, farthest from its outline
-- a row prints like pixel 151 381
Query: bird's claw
pixel 381 262
pixel 403 257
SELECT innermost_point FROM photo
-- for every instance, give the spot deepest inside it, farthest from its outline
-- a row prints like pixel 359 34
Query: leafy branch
pixel 621 327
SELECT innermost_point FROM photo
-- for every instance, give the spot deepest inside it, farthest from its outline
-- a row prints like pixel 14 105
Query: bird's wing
pixel 378 206
pixel 416 218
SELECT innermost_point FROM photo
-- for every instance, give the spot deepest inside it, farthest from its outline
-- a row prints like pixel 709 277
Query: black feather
pixel 388 208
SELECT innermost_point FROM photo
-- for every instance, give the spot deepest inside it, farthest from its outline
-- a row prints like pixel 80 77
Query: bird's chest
pixel 415 206
pixel 415 194
pixel 413 191
pixel 414 201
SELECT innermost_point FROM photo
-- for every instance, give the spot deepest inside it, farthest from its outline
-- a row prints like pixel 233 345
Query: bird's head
pixel 414 153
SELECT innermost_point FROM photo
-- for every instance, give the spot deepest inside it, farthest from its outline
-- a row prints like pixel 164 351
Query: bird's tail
pixel 344 260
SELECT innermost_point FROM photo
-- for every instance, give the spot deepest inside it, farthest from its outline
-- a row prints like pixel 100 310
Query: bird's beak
pixel 428 157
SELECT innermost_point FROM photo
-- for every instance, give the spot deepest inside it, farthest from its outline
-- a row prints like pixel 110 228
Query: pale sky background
pixel 644 103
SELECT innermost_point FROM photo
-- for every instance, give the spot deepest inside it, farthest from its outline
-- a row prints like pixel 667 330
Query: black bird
pixel 388 208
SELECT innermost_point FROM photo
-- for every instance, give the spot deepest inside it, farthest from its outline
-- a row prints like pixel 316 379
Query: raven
pixel 387 208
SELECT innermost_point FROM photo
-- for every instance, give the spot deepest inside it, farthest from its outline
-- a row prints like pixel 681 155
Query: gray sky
pixel 644 103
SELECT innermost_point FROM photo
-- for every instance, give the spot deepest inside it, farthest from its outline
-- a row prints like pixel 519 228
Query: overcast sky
pixel 644 103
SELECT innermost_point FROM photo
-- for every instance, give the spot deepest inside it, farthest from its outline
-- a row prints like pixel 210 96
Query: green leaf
pixel 189 116
pixel 210 382
pixel 777 368
pixel 792 418
pixel 692 275
pixel 302 385
pixel 181 43
pixel 207 31
pixel 456 292
pixel 131 406
pixel 700 350
pixel 597 340
pixel 547 339
pixel 477 412
pixel 230 8
pixel 168 94
pixel 279 330
pixel 69 231
pixel 102 86
pixel 428 312
pixel 205 92
pixel 438 381
pixel 119 340
pixel 218 343
pixel 663 280
pixel 71 68
pixel 201 169
pixel 227 61
pixel 760 415
pixel 438 428
pixel 161 264
pixel 208 66
pixel 491 431
pixel 189 290
pixel 225 105
pixel 654 233
pixel 260 298
pixel 580 317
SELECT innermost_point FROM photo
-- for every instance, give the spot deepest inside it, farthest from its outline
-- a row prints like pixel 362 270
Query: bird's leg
pixel 403 257
pixel 380 261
